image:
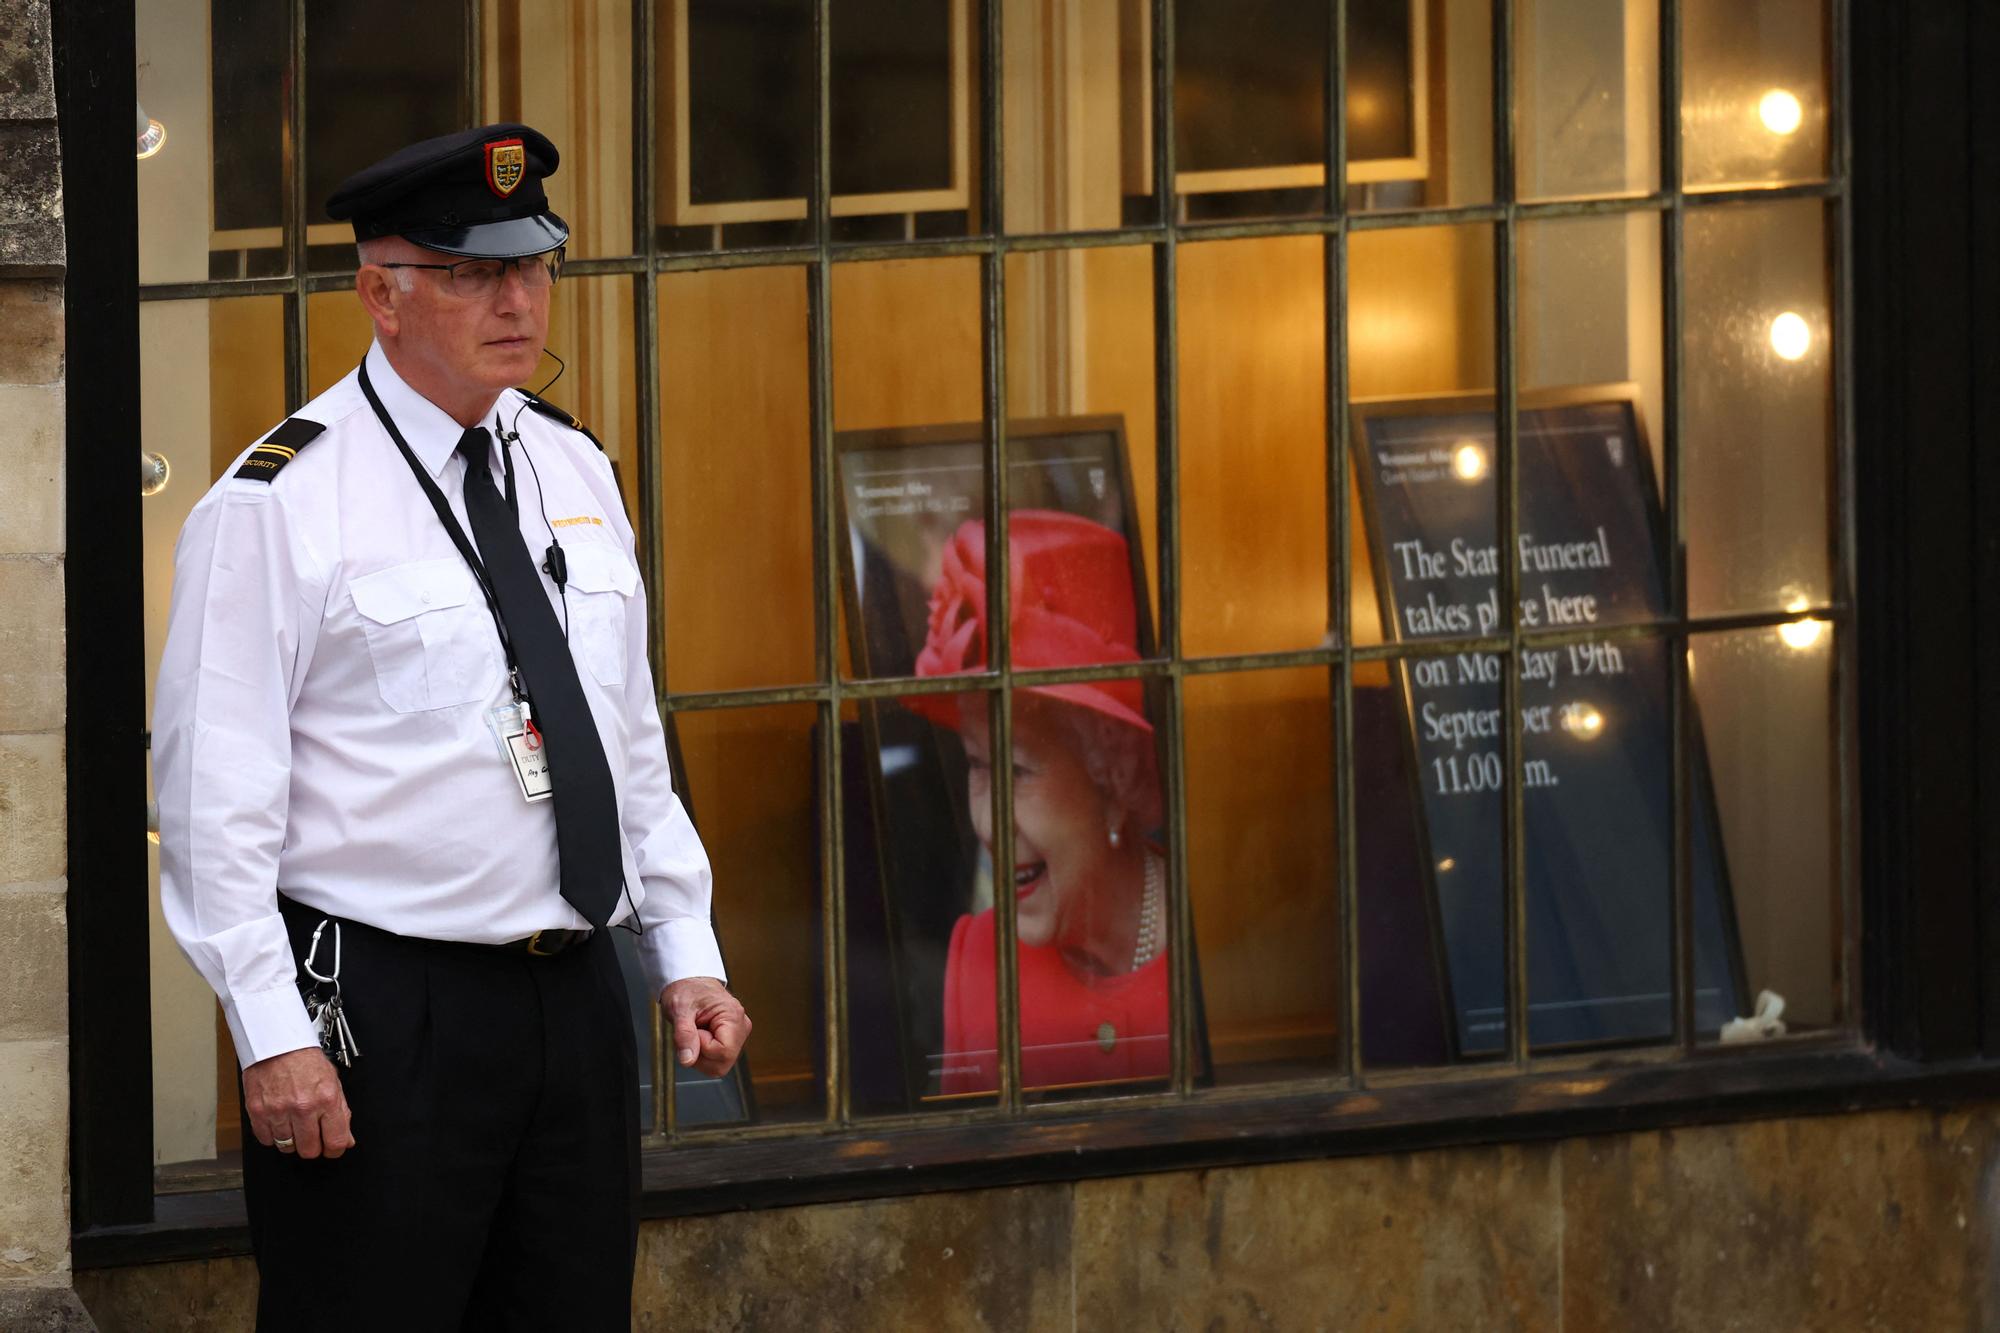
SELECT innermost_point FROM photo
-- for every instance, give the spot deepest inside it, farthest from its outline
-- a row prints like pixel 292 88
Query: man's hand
pixel 296 1104
pixel 710 1027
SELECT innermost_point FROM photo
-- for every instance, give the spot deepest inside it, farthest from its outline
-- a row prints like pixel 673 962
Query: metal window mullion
pixel 999 592
pixel 1171 695
pixel 473 108
pixel 297 344
pixel 826 566
pixel 999 648
pixel 1339 568
pixel 1673 230
pixel 649 403
pixel 1845 675
pixel 1507 444
pixel 648 466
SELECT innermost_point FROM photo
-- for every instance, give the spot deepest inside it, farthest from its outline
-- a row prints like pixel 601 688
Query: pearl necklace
pixel 1144 950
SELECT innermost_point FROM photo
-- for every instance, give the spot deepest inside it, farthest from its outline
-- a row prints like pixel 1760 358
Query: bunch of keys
pixel 323 1006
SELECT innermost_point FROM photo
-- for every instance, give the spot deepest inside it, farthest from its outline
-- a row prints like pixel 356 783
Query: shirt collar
pixel 432 434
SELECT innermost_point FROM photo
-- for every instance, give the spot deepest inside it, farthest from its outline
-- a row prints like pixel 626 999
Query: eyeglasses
pixel 475 278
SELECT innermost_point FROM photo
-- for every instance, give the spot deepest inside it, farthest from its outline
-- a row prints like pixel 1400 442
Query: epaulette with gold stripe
pixel 280 447
pixel 557 414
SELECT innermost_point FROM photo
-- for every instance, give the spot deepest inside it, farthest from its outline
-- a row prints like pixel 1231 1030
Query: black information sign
pixel 1595 718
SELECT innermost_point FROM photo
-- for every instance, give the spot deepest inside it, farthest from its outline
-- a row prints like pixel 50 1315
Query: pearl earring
pixel 1117 838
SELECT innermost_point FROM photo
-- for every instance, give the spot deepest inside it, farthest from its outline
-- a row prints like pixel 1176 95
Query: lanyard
pixel 450 522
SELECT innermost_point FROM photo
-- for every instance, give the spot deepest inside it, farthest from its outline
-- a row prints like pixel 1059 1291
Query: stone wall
pixel 1885 1220
pixel 34 1020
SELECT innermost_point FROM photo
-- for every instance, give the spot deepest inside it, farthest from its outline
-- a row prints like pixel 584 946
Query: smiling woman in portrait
pixel 1088 877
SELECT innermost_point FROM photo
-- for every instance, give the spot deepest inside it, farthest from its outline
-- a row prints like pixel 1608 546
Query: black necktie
pixel 586 802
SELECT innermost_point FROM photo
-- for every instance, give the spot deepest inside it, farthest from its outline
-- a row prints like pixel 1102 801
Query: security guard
pixel 411 774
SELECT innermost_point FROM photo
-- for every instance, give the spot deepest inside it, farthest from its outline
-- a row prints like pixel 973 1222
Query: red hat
pixel 1070 581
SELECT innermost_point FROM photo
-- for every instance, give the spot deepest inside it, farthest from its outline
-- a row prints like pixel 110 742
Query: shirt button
pixel 424 597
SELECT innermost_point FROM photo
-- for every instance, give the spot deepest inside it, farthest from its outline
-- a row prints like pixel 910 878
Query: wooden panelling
pixel 1262 858
pixel 750 774
pixel 736 479
pixel 1253 445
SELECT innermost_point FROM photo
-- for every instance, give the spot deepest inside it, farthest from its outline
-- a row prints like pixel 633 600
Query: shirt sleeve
pixel 678 939
pixel 241 628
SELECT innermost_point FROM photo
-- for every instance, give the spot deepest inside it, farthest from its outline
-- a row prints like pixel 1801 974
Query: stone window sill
pixel 1214 1128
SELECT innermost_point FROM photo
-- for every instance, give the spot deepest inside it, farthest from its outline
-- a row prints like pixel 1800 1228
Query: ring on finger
pixel 284 1145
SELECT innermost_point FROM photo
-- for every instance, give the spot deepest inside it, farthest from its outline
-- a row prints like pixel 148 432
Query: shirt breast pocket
pixel 429 635
pixel 601 580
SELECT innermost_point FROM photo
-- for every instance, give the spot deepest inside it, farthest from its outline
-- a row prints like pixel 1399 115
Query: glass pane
pixel 906 401
pixel 1599 752
pixel 379 74
pixel 906 96
pixel 1420 360
pixel 1419 103
pixel 920 953
pixel 213 192
pixel 1589 347
pixel 733 157
pixel 1765 700
pixel 1090 887
pixel 1590 306
pixel 1263 871
pixel 736 479
pixel 1754 92
pixel 1250 108
pixel 1253 445
pixel 736 109
pixel 748 776
pixel 1078 116
pixel 566 69
pixel 210 383
pixel 1427 825
pixel 338 335
pixel 1759 428
pixel 1080 403
pixel 1586 97
pixel 590 327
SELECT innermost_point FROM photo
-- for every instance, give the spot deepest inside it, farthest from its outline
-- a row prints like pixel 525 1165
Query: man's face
pixel 487 342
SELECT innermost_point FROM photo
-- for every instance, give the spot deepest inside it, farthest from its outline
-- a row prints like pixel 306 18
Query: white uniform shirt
pixel 320 722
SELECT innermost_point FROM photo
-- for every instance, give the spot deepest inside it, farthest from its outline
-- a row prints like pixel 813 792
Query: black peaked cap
pixel 477 192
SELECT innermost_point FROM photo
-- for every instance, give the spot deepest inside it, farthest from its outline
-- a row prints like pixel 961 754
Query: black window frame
pixel 1915 308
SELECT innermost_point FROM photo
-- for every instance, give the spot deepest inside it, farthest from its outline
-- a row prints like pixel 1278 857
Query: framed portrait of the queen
pixel 1088 873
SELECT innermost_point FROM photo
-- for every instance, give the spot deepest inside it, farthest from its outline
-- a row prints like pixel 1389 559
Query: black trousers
pixel 495 1179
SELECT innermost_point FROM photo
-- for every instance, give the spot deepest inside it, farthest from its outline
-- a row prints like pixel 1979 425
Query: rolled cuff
pixel 267 1023
pixel 680 948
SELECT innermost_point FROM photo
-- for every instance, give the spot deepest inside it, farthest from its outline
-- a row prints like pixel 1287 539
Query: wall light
pixel 1468 461
pixel 1780 111
pixel 154 473
pixel 1583 721
pixel 1799 635
pixel 152 134
pixel 1791 336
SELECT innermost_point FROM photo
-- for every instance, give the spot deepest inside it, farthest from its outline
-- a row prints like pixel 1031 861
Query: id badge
pixel 521 746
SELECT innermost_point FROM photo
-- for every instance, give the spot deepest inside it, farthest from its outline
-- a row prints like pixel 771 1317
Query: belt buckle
pixel 535 949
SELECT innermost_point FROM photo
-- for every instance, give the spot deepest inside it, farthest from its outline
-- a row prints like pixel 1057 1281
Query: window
pixel 1427 632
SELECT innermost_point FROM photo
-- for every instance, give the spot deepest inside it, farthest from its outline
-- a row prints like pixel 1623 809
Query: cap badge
pixel 506 164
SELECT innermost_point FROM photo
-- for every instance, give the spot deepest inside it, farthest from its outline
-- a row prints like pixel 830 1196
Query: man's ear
pixel 378 291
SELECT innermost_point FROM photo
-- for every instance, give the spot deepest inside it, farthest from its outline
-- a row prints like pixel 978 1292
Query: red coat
pixel 1073 1030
